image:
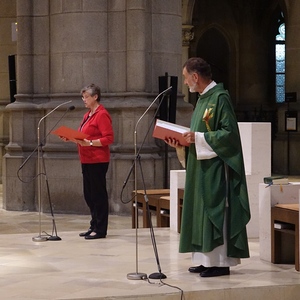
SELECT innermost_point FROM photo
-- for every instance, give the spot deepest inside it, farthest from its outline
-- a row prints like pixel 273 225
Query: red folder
pixel 163 130
pixel 70 133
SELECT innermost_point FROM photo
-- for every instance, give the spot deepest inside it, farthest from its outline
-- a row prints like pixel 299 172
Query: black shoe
pixel 197 269
pixel 95 236
pixel 215 271
pixel 86 233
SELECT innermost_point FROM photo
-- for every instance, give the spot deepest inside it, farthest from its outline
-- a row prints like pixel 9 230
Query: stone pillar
pixel 8 46
pixel 148 56
pixel 292 48
pixel 16 195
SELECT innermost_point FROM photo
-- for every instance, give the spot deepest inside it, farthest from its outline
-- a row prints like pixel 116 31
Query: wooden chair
pixel 281 215
pixel 156 205
pixel 163 220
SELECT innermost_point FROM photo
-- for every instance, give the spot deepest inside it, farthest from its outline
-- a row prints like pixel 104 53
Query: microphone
pixel 54 109
pixel 137 152
pixel 138 275
pixel 168 91
pixel 41 171
pixel 70 108
pixel 162 93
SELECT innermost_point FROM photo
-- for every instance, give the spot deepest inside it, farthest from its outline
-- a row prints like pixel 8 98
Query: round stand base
pixel 136 276
pixel 39 238
pixel 53 238
pixel 157 276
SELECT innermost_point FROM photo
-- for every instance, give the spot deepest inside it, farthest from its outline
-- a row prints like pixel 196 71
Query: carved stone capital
pixel 187 34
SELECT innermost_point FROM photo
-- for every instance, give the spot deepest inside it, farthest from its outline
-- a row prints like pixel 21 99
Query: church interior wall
pixel 58 52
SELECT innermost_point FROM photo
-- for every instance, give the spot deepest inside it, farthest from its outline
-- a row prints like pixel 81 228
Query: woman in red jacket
pixel 94 156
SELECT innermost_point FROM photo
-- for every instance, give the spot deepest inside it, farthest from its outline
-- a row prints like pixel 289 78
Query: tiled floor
pixel 74 268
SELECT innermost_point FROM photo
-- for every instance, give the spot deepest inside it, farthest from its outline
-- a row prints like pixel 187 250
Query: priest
pixel 215 205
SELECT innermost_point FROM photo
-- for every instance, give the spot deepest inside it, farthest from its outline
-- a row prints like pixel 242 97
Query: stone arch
pixel 219 50
pixel 205 38
pixel 187 11
pixel 213 47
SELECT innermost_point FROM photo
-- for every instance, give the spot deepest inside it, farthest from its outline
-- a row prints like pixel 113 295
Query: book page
pixel 164 130
pixel 171 126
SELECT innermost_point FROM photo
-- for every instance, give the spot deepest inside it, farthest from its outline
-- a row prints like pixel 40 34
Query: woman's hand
pixel 64 139
pixel 84 142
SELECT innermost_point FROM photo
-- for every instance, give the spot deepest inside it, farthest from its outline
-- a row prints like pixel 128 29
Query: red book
pixel 163 130
pixel 70 133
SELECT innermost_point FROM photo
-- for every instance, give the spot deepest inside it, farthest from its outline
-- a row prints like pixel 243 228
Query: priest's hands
pixel 189 137
pixel 172 142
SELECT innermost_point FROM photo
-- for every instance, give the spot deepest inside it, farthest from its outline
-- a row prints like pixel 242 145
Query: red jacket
pixel 97 126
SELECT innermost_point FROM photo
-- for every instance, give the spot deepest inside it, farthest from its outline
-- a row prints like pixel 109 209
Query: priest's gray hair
pixel 198 65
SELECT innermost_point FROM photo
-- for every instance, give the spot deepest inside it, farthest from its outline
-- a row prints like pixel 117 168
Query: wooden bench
pixel 158 201
pixel 283 215
pixel 164 212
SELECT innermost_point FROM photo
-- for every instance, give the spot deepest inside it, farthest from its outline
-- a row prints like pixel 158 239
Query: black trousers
pixel 95 195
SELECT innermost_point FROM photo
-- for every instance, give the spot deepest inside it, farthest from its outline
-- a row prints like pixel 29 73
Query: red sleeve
pixel 106 129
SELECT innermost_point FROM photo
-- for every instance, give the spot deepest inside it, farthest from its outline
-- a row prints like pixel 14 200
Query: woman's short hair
pixel 199 66
pixel 93 90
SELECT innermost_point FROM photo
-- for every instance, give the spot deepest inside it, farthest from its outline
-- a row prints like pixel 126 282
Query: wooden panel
pixel 290 215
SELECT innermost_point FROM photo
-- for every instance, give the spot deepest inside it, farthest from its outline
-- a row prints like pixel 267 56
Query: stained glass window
pixel 280 64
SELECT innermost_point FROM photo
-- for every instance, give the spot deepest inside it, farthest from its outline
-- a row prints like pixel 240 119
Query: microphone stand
pixel 54 230
pixel 30 155
pixel 41 238
pixel 137 275
pixel 159 274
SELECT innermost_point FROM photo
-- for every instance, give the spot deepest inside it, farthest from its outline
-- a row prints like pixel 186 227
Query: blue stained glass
pixel 280 80
pixel 280 94
pixel 280 67
pixel 280 64
pixel 280 52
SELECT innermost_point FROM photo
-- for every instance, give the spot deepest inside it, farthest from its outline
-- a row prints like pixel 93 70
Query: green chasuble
pixel 206 189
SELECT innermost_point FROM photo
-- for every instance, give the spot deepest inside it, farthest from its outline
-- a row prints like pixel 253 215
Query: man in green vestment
pixel 215 206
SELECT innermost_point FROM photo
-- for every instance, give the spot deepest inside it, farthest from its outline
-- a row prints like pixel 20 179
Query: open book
pixel 163 130
pixel 70 133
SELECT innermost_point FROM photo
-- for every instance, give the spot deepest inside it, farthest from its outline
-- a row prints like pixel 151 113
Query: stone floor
pixel 75 268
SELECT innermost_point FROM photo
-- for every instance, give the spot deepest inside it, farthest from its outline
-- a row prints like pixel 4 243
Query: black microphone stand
pixel 30 155
pixel 54 236
pixel 137 275
pixel 42 171
pixel 159 274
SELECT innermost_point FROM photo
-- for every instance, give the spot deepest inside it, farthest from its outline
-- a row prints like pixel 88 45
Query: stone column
pixel 152 47
pixel 17 195
pixel 8 46
pixel 292 46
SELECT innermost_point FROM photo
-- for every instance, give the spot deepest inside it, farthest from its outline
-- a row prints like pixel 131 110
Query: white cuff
pixel 203 149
